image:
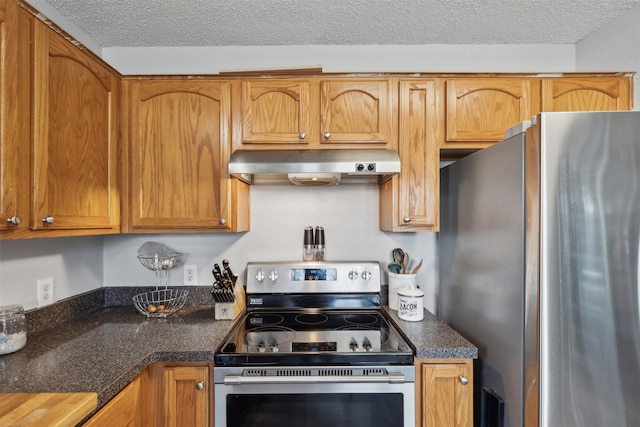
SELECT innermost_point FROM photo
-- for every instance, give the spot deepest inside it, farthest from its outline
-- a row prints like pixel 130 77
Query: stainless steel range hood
pixel 314 167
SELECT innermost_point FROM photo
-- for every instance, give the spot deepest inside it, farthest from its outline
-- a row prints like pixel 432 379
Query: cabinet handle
pixel 302 135
pixel 327 135
pixel 464 380
pixel 48 220
pixel 14 220
pixel 200 385
pixel 222 221
pixel 407 219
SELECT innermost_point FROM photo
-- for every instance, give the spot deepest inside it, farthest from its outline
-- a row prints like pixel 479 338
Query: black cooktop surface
pixel 313 337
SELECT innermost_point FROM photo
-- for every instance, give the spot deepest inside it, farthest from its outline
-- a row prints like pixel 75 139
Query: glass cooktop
pixel 303 337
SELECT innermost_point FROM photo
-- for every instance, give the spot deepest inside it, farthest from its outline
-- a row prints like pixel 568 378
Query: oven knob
pixel 273 276
pixel 353 345
pixel 260 276
pixel 261 347
pixel 353 275
pixel 274 348
pixel 366 275
pixel 366 344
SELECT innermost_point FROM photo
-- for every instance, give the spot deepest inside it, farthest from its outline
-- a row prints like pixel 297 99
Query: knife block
pixel 231 310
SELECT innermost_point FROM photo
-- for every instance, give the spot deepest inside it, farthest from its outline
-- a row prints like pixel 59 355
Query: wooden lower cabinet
pixel 444 393
pixel 187 396
pixel 127 408
pixel 165 394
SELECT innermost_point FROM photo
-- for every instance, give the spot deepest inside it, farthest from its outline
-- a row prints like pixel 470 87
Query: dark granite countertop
pixel 434 339
pixel 105 350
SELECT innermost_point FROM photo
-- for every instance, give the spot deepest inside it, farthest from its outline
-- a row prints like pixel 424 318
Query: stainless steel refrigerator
pixel 539 266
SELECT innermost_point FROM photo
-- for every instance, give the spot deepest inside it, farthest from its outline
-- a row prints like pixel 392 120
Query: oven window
pixel 315 410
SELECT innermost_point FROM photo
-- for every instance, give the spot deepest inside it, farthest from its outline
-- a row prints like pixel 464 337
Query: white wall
pixel 333 59
pixel 615 47
pixel 75 263
pixel 348 213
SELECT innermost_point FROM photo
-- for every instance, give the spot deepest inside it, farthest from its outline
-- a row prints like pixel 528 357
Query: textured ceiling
pixel 121 23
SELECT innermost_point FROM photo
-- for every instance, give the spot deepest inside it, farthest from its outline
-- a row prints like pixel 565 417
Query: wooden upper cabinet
pixel 355 111
pixel 14 120
pixel 586 94
pixel 74 119
pixel 312 112
pixel 410 200
pixel 179 147
pixel 478 111
pixel 276 112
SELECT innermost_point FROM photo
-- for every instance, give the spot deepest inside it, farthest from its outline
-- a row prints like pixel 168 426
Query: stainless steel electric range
pixel 313 349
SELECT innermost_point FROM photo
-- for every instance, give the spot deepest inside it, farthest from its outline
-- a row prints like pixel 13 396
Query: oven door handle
pixel 392 377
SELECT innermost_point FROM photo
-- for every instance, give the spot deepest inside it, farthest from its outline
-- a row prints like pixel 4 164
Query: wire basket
pixel 160 303
pixel 156 263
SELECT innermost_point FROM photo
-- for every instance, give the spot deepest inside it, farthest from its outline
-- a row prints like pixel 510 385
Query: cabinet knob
pixel 407 219
pixel 222 221
pixel 48 220
pixel 302 135
pixel 200 385
pixel 14 220
pixel 327 135
pixel 464 380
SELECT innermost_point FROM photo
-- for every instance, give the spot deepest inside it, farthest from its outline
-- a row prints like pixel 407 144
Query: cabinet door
pixel 275 112
pixel 74 136
pixel 355 111
pixel 179 134
pixel 410 201
pixel 186 396
pixel 122 410
pixel 480 110
pixel 14 119
pixel 447 394
pixel 586 94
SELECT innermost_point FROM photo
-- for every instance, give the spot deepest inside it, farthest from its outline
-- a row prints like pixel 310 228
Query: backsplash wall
pixel 75 263
pixel 279 214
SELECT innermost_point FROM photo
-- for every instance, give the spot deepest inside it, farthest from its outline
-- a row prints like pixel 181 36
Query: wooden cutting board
pixel 45 409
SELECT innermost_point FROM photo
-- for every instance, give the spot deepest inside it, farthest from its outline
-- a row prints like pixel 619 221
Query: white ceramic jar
pixel 410 306
pixel 397 282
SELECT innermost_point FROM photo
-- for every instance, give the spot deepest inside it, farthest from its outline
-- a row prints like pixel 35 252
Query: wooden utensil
pixel 417 267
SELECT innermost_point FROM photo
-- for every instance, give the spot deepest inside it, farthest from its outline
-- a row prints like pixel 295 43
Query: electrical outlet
pixel 45 292
pixel 190 275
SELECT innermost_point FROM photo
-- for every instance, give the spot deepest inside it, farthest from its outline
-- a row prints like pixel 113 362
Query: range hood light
pixel 314 178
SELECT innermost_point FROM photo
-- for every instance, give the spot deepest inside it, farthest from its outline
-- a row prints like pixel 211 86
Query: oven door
pixel 315 397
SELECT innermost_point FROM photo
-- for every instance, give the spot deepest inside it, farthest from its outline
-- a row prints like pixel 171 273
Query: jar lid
pixel 10 310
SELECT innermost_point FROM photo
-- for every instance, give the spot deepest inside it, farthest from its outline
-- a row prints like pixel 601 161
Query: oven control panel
pixel 313 277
